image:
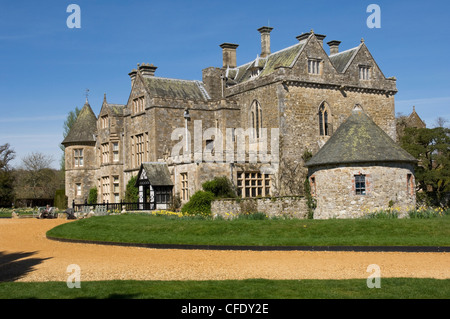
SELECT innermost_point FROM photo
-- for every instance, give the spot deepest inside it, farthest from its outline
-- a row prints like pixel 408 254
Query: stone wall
pixel 334 189
pixel 289 206
pixel 84 175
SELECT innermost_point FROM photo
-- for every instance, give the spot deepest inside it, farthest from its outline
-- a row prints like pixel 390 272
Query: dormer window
pixel 364 72
pixel 314 66
pixel 255 72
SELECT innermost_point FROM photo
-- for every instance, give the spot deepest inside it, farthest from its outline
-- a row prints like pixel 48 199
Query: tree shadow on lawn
pixel 16 265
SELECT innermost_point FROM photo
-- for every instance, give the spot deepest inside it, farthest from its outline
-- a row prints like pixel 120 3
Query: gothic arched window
pixel 324 117
pixel 256 118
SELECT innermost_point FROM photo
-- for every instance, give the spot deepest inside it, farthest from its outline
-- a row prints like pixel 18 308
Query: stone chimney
pixel 334 46
pixel 229 55
pixel 304 36
pixel 132 76
pixel 265 41
pixel 147 69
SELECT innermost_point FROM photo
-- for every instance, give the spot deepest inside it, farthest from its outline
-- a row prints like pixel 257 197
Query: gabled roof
pixel 359 140
pixel 113 109
pixel 175 89
pixel 156 173
pixel 84 128
pixel 283 58
pixel 414 120
pixel 342 59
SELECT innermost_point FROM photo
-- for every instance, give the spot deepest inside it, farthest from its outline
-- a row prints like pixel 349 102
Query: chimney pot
pixel 334 46
pixel 304 36
pixel 147 69
pixel 265 41
pixel 229 55
pixel 132 75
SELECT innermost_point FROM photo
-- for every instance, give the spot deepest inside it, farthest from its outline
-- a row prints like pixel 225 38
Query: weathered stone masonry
pixel 302 91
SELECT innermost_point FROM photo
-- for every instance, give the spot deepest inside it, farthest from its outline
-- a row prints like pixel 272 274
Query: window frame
pixel 314 66
pixel 364 72
pixel 253 184
pixel 78 157
pixel 324 120
pixel 184 186
pixel 360 184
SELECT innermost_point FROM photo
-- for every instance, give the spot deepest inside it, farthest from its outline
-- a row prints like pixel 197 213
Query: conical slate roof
pixel 84 128
pixel 359 140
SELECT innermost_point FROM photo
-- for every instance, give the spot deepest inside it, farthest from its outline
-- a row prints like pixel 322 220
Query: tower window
pixel 78 157
pixel 360 184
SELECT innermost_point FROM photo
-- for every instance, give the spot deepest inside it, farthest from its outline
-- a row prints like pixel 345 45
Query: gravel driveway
pixel 27 255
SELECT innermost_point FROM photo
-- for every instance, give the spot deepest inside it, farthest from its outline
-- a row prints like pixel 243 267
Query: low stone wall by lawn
pixel 289 206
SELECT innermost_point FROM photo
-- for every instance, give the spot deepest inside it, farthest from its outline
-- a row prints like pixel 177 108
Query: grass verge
pixel 391 288
pixel 140 228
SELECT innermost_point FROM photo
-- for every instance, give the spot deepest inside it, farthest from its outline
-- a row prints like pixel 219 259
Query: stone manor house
pixel 176 134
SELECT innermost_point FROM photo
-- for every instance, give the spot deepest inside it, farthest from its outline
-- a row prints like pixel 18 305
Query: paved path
pixel 27 255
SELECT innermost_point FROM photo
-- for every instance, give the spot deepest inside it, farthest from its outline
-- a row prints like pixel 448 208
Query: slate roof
pixel 282 58
pixel 176 89
pixel 341 60
pixel 359 140
pixel 84 128
pixel 116 109
pixel 157 173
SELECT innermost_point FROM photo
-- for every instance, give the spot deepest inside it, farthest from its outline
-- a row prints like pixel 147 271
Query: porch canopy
pixel 155 185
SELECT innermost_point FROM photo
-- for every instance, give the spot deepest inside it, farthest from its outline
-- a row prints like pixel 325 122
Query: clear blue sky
pixel 46 67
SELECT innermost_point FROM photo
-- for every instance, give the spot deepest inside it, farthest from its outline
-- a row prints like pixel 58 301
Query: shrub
pixel 423 213
pixel 131 191
pixel 253 216
pixel 383 214
pixel 92 199
pixel 199 203
pixel 60 199
pixel 221 187
pixel 176 203
pixel 310 200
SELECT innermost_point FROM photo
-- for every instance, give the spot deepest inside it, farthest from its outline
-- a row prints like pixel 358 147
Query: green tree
pixel 432 149
pixel 131 191
pixel 221 187
pixel 68 123
pixel 199 203
pixel 93 194
pixel 6 176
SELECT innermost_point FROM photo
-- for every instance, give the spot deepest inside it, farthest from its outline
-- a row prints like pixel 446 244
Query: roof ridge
pixel 350 61
pixel 345 51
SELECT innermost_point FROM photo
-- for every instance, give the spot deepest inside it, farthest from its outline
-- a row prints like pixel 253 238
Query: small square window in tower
pixel 360 184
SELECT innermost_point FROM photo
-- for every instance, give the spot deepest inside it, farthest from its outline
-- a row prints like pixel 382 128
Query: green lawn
pixel 141 228
pixel 391 288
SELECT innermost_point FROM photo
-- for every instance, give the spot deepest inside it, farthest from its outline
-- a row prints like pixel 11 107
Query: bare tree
pixel 6 155
pixel 35 179
pixel 440 122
